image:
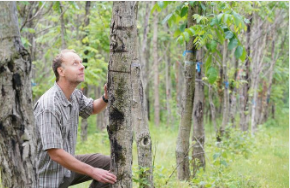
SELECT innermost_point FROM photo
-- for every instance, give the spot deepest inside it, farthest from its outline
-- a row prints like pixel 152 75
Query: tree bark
pixel 182 145
pixel 17 143
pixel 198 136
pixel 244 95
pixel 141 128
pixel 145 54
pixel 226 107
pixel 155 70
pixel 123 55
pixel 84 122
pixel 212 108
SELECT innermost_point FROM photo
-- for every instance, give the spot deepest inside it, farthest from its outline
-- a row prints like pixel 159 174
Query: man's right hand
pixel 103 176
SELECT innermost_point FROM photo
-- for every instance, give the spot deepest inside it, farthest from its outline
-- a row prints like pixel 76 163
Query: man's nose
pixel 82 66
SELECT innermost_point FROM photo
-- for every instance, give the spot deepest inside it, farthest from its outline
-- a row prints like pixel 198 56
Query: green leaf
pixel 233 43
pixel 223 162
pixel 220 36
pixel 244 55
pixel 191 3
pixel 177 33
pixel 212 74
pixel 180 39
pixel 186 36
pixel 74 5
pixel 208 62
pixel 184 11
pixel 56 6
pixel 160 4
pixel 213 45
pixel 166 18
pixel 214 21
pixel 182 27
pixel 202 6
pixel 229 34
pixel 239 51
pixel 216 155
pixel 219 17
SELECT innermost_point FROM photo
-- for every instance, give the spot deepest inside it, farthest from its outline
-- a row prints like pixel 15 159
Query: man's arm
pixel 68 161
pixel 100 104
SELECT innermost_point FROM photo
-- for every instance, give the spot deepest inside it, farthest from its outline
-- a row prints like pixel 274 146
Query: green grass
pixel 262 161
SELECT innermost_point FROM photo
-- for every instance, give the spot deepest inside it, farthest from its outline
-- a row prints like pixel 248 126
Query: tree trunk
pixel 233 96
pixel 123 55
pixel 17 143
pixel 170 120
pixel 155 70
pixel 141 128
pixel 145 54
pixel 84 122
pixel 244 95
pixel 226 107
pixel 212 108
pixel 182 145
pixel 198 136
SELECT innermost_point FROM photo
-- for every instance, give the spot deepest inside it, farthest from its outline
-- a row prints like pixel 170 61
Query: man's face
pixel 72 68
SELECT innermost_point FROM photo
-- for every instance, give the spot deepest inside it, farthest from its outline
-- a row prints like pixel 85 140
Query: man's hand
pixel 103 176
pixel 106 91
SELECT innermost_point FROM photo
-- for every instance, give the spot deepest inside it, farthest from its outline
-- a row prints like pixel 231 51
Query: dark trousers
pixel 95 160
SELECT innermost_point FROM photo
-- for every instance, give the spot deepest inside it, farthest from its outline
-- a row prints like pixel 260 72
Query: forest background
pixel 242 60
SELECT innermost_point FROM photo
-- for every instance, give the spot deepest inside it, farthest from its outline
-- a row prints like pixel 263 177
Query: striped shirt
pixel 56 127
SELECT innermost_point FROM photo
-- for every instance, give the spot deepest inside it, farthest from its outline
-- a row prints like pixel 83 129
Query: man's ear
pixel 60 71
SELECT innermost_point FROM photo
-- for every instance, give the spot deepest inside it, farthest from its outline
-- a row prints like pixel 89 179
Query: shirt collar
pixel 64 100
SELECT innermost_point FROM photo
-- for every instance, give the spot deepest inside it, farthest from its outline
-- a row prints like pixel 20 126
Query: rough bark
pixel 84 122
pixel 123 55
pixel 226 107
pixel 170 119
pixel 233 95
pixel 198 136
pixel 144 55
pixel 17 144
pixel 244 95
pixel 141 128
pixel 182 145
pixel 212 108
pixel 155 70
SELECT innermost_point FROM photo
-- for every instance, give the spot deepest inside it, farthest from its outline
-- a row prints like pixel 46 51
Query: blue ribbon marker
pixel 187 51
pixel 226 84
pixel 198 64
pixel 33 84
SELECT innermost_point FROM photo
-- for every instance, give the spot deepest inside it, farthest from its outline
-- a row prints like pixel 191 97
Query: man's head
pixel 68 65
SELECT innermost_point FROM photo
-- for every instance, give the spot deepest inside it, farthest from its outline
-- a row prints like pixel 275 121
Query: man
pixel 56 114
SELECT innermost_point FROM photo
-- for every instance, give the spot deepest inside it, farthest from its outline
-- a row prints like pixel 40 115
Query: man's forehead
pixel 71 56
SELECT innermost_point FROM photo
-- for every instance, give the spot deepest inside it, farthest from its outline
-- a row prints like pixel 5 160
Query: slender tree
pixel 17 146
pixel 155 70
pixel 182 145
pixel 141 128
pixel 85 89
pixel 123 54
pixel 198 136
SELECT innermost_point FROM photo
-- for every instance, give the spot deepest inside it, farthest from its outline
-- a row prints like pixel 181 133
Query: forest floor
pixel 242 161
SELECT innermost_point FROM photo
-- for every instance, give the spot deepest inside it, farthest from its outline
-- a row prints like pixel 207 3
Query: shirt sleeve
pixel 50 130
pixel 85 104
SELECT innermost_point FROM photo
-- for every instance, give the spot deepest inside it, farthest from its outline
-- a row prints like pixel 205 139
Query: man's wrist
pixel 104 99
